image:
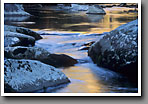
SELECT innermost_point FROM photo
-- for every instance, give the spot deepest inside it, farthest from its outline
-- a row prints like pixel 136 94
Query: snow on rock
pixel 22 30
pixel 118 50
pixel 14 9
pixel 29 76
pixel 17 39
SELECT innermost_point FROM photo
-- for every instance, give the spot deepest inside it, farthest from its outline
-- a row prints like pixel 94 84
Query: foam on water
pixel 85 77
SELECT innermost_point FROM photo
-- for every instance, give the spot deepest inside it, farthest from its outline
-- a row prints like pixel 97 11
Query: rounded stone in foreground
pixel 30 76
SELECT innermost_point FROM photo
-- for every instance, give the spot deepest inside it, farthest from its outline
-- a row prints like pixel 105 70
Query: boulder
pixel 59 60
pixel 11 41
pixel 14 9
pixel 95 9
pixel 79 7
pixel 20 52
pixel 86 46
pixel 17 39
pixel 29 76
pixel 118 51
pixel 22 30
pixel 36 53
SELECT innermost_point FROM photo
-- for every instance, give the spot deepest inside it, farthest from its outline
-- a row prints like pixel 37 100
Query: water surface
pixel 75 22
pixel 59 28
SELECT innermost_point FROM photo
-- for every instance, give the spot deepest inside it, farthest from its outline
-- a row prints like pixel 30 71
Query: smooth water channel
pixel 66 34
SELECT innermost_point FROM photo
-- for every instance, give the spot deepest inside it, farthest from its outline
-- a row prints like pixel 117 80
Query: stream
pixel 66 34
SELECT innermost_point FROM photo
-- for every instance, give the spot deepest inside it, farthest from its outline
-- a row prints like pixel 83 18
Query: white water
pixel 85 76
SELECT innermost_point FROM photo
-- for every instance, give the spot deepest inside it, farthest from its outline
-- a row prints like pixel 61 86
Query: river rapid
pixel 67 34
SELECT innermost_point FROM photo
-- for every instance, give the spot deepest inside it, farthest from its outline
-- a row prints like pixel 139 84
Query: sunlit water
pixel 85 76
pixel 74 22
pixel 66 34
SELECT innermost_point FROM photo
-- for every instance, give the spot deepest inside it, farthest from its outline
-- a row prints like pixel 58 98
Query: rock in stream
pixel 30 75
pixel 36 53
pixel 118 51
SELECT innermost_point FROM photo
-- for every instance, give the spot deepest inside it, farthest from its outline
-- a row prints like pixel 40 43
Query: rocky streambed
pixel 30 68
pixel 59 62
pixel 22 73
pixel 112 75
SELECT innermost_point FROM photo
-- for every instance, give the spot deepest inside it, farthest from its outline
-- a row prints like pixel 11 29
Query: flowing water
pixel 66 34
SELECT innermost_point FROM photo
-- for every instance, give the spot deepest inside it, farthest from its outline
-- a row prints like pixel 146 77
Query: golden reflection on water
pixel 86 81
pixel 82 78
pixel 97 23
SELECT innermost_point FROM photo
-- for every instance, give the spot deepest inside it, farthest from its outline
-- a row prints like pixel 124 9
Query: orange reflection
pixel 85 81
pixel 114 17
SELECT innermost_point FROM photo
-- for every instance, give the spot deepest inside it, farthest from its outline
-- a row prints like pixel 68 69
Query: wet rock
pixel 78 7
pixel 95 9
pixel 36 53
pixel 95 18
pixel 22 30
pixel 88 43
pixel 83 48
pixel 30 75
pixel 123 5
pixel 32 5
pixel 131 11
pixel 14 9
pixel 71 7
pixel 118 51
pixel 59 60
pixel 20 52
pixel 17 39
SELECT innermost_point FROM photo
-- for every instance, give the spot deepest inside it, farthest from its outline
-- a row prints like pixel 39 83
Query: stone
pixel 36 53
pixel 20 52
pixel 95 9
pixel 22 30
pixel 14 9
pixel 30 75
pixel 88 43
pixel 118 51
pixel 59 60
pixel 78 7
pixel 17 39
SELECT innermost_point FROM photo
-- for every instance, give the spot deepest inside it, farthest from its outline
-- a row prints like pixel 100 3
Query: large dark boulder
pixel 17 39
pixel 22 30
pixel 29 76
pixel 118 51
pixel 36 53
pixel 59 60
